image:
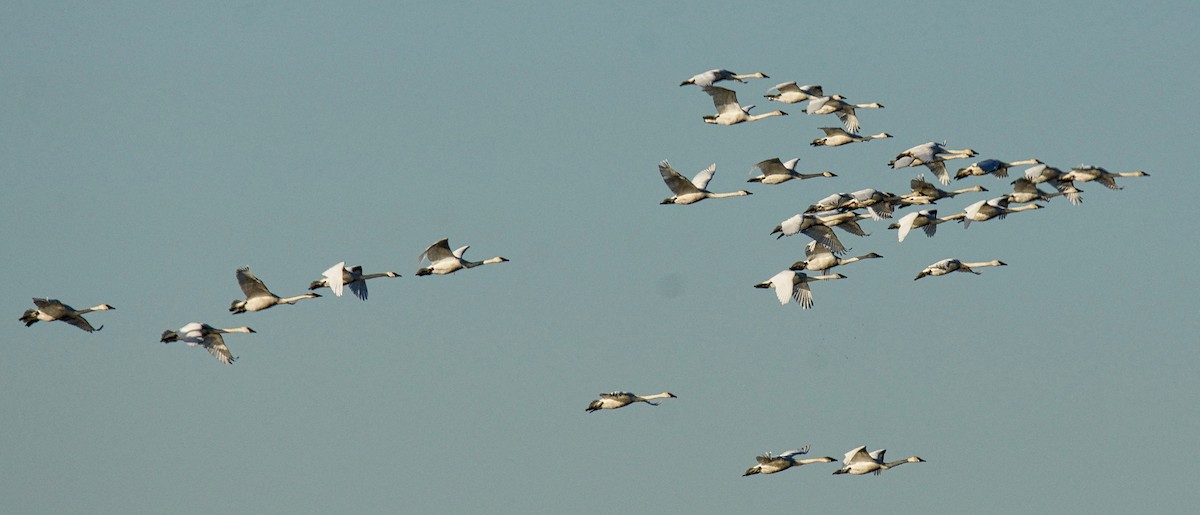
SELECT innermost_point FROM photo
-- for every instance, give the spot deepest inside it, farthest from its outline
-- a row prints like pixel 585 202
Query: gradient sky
pixel 151 148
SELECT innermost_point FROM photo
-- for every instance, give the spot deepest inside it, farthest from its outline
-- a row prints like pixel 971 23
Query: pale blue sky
pixel 150 149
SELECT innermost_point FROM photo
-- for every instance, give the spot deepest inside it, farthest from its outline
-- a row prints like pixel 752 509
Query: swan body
pixel 49 310
pixel 205 336
pixel 819 258
pixel 836 105
pixel 925 220
pixel 790 93
pixel 793 285
pixel 813 227
pixel 614 400
pixel 768 464
pixel 925 193
pixel 338 276
pixel 1085 173
pixel 836 137
pixel 985 210
pixel 858 462
pixel 442 261
pixel 948 265
pixel 258 297
pixel 729 112
pixel 774 171
pixel 691 191
pixel 710 77
pixel 932 155
pixel 991 167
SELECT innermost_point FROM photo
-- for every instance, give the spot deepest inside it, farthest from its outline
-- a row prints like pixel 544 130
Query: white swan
pixel 991 167
pixel 691 191
pixel 819 258
pixel 442 261
pixel 774 171
pixel 206 336
pixel 926 220
pixel 1038 174
pixel 790 93
pixel 729 112
pixel 858 462
pixel 925 193
pixel 790 284
pixel 614 400
pixel 836 105
pixel 49 310
pixel 768 464
pixel 948 265
pixel 710 77
pixel 258 297
pixel 836 137
pixel 1085 173
pixel 933 156
pixel 985 210
pixel 338 276
pixel 813 227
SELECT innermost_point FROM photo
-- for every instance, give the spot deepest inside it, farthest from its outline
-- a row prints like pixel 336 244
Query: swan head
pixel 778 229
pixel 671 395
pixel 103 307
pixel 915 459
pixel 29 317
pixel 238 306
pixel 425 271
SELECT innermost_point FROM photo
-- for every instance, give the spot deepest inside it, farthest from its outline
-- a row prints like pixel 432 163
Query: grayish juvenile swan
pixel 338 276
pixel 442 261
pixel 49 310
pixel 768 464
pixel 614 400
pixel 258 297
pixel 205 336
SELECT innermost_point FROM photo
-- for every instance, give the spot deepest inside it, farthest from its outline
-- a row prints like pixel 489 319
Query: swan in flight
pixel 985 210
pixel 338 276
pixel 768 464
pixel 614 400
pixel 690 192
pixel 933 156
pixel 206 336
pixel 729 112
pixel 836 137
pixel 710 77
pixel 49 310
pixel 790 93
pixel 774 171
pixel 948 265
pixel 858 462
pixel 879 204
pixel 790 284
pixel 1024 191
pixel 991 167
pixel 819 258
pixel 926 220
pixel 813 227
pixel 925 193
pixel 1085 173
pixel 836 105
pixel 1038 174
pixel 442 261
pixel 258 297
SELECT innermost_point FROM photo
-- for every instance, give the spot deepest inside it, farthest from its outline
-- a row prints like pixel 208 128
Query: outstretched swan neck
pixel 897 463
pixel 751 118
pixel 739 193
pixel 994 262
pixel 293 300
pixel 473 264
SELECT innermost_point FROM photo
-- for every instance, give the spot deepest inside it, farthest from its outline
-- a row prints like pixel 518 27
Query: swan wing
pixel 794 452
pixel 52 307
pixel 939 169
pixel 359 289
pixel 784 284
pixel 787 86
pixel 827 238
pixel 857 454
pixel 251 286
pixel 724 99
pixel 459 252
pixel 703 176
pixel 677 183
pixel 335 277
pixel 792 225
pixel 848 118
pixel 906 224
pixel 436 252
pixel 815 249
pixel 771 166
pixel 216 346
pixel 802 294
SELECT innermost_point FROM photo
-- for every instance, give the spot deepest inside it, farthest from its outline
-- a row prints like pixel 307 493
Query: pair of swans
pixel 50 310
pixel 614 400
pixel 768 464
pixel 837 105
pixel 774 171
pixel 836 137
pixel 442 261
pixel 991 167
pixel 205 336
pixel 949 265
pixel 792 285
pixel 694 190
pixel 258 297
pixel 932 155
pixel 729 111
pixel 710 77
pixel 338 277
pixel 858 462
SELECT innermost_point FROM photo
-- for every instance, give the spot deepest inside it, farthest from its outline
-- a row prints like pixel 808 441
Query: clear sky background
pixel 149 149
